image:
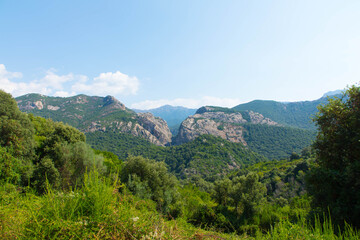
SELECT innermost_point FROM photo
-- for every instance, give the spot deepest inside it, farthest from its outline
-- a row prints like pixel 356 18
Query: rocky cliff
pixel 221 122
pixel 91 114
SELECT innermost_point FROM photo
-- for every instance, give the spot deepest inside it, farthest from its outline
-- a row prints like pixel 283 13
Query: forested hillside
pixel 207 156
pixel 294 114
pixel 276 142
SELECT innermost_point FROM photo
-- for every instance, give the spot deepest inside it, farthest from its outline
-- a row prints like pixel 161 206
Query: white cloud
pixel 5 76
pixel 187 102
pixel 70 84
pixel 64 94
pixel 108 84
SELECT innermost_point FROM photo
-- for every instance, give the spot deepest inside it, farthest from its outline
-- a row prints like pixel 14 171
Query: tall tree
pixel 16 129
pixel 335 182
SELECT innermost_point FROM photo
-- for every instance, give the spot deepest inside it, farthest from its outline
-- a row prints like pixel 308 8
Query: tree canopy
pixel 335 183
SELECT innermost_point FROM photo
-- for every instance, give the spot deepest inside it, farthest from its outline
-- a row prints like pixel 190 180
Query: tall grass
pixel 94 211
pixel 98 211
pixel 77 211
pixel 303 230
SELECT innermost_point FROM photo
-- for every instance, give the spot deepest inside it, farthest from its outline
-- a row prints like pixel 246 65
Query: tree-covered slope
pixel 277 142
pixel 207 156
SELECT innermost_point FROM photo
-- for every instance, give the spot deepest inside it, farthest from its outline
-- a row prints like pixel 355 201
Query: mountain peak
pixel 113 102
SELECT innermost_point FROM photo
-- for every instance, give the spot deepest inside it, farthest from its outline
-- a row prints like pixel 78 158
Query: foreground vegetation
pixel 98 211
pixel 54 186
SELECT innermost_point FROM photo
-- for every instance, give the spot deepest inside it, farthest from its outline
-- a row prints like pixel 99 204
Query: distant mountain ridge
pixel 333 93
pixel 293 114
pixel 91 114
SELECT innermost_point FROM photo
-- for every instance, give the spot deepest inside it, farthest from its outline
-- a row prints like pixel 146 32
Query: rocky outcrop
pixel 32 105
pixel 227 125
pixel 257 118
pixel 91 114
pixel 156 126
pixel 113 103
pixel 193 127
pixel 147 126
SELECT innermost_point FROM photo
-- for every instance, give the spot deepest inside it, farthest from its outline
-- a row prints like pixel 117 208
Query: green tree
pixel 73 160
pixel 248 193
pixel 150 179
pixel 16 129
pixel 223 189
pixel 45 172
pixel 335 182
pixel 10 167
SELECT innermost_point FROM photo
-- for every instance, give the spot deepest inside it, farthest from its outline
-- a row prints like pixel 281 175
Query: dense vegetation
pixel 334 182
pixel 54 186
pixel 206 156
pixel 276 142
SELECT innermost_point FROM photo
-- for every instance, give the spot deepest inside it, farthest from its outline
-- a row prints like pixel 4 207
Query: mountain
pixel 221 122
pixel 172 115
pixel 252 129
pixel 92 114
pixel 294 114
pixel 333 93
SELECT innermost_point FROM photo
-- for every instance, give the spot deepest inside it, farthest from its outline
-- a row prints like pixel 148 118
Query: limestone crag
pixel 227 125
pixel 257 118
pixel 156 126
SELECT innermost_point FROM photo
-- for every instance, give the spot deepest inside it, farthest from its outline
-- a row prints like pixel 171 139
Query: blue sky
pixel 189 53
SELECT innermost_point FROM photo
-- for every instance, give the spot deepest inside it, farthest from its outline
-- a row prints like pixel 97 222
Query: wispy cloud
pixel 70 84
pixel 188 102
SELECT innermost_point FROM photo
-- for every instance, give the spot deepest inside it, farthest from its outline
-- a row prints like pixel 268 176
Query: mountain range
pixel 272 129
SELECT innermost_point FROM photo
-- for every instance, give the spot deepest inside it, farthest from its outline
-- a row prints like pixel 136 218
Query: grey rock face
pixel 225 125
pixel 156 126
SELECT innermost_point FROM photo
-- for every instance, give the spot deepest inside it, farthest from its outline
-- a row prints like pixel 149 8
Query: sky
pixel 183 53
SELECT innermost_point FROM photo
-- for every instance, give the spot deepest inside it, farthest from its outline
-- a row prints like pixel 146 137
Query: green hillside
pixel 206 156
pixel 295 114
pixel 277 142
pixel 78 111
